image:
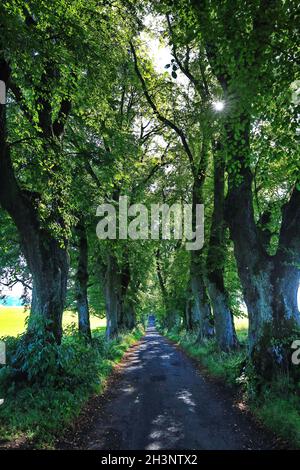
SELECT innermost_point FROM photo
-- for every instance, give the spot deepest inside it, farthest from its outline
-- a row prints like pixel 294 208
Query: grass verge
pixel 13 320
pixel 278 405
pixel 37 409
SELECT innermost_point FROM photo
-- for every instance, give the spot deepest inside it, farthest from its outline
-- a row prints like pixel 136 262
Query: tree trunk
pixel 82 277
pixel 112 297
pixel 47 260
pixel 270 283
pixel 170 320
pixel 187 321
pixel 201 318
pixel 224 324
pixel 47 257
pixel 201 312
pixel 49 265
pixel 127 317
pixel 223 318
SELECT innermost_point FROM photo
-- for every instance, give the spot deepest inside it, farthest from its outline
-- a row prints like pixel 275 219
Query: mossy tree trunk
pixel 270 283
pixel 112 296
pixel 82 278
pixel 201 318
pixel 127 318
pixel 223 318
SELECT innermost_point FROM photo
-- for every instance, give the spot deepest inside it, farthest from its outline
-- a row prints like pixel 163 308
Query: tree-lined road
pixel 160 400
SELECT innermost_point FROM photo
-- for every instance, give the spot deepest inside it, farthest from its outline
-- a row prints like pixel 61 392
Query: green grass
pixel 39 409
pixel 241 326
pixel 282 416
pixel 277 406
pixel 12 320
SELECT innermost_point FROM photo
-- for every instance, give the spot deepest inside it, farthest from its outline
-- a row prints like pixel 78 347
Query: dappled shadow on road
pixel 160 401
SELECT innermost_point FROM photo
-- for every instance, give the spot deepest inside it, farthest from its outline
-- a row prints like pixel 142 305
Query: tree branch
pixel 18 95
pixel 201 88
pixel 60 122
pixel 160 117
pixel 289 238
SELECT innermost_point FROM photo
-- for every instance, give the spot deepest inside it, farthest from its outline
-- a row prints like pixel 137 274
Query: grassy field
pixel 12 320
pixel 241 326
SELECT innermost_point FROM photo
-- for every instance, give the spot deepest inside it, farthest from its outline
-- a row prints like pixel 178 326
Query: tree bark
pixel 82 277
pixel 127 317
pixel 170 316
pixel 112 297
pixel 223 318
pixel 128 314
pixel 201 317
pixel 49 265
pixel 187 319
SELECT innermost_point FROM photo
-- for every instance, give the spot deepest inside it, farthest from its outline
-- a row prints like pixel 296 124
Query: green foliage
pixel 281 415
pixel 116 141
pixel 13 267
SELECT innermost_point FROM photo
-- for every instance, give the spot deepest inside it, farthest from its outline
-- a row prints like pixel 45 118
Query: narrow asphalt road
pixel 160 400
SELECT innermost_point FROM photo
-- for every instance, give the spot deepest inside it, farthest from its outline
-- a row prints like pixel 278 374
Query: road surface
pixel 158 400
